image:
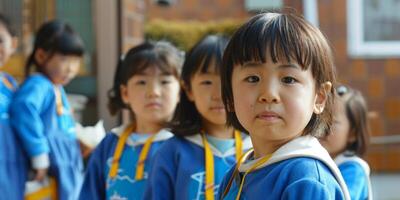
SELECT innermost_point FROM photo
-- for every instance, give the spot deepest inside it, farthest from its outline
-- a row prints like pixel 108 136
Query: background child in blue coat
pixel 192 164
pixel 277 75
pixel 146 82
pixel 40 112
pixel 348 141
pixel 12 158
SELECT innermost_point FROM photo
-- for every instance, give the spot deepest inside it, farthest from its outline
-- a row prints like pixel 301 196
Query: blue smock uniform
pixel 178 171
pixel 300 169
pixel 99 185
pixel 13 161
pixel 45 131
pixel 355 172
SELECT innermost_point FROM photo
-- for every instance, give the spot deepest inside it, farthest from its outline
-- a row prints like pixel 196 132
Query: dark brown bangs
pixel 283 38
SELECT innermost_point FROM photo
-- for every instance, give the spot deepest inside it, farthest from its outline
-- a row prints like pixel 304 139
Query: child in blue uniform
pixel 192 164
pixel 12 158
pixel 348 141
pixel 147 83
pixel 40 112
pixel 276 76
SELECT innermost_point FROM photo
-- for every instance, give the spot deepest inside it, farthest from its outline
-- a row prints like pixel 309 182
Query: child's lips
pixel 153 105
pixel 218 108
pixel 268 116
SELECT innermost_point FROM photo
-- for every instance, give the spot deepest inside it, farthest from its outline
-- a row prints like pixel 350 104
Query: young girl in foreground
pixel 348 141
pixel 12 158
pixel 192 164
pixel 40 112
pixel 146 83
pixel 277 75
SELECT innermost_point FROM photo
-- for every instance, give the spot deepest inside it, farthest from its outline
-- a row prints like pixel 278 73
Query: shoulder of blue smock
pixel 300 169
pixel 94 184
pixel 10 79
pixel 178 168
pixel 34 96
pixel 355 172
pixel 6 95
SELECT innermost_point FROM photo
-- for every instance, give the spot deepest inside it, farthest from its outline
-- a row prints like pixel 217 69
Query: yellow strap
pixel 49 192
pixel 118 150
pixel 143 157
pixel 257 164
pixel 238 145
pixel 59 104
pixel 209 187
pixel 7 83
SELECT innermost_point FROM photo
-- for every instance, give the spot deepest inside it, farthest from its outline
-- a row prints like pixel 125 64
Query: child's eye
pixel 140 82
pixel 288 80
pixel 252 79
pixel 206 82
pixel 164 82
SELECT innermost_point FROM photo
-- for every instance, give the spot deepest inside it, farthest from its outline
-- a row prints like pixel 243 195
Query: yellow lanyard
pixel 7 83
pixel 209 187
pixel 254 166
pixel 142 157
pixel 59 103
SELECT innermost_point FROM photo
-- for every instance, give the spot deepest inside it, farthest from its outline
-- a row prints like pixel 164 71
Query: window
pixel 373 28
pixel 256 5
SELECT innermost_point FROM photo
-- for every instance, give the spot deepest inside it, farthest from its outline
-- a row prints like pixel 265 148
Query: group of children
pixel 235 118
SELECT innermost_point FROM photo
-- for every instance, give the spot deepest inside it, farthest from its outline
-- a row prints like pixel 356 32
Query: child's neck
pixel 148 127
pixel 218 131
pixel 263 147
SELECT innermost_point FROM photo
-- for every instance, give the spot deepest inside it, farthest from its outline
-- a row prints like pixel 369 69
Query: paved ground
pixel 386 186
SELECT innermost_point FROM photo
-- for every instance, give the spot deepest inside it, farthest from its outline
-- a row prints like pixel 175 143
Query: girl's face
pixel 151 95
pixel 205 93
pixel 336 142
pixel 8 44
pixel 61 69
pixel 275 101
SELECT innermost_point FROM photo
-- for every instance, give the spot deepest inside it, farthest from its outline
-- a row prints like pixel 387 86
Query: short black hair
pixel 55 37
pixel 286 37
pixel 7 24
pixel 201 57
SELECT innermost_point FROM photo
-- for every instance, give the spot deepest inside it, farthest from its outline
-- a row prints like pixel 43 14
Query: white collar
pixel 304 146
pixel 197 139
pixel 163 134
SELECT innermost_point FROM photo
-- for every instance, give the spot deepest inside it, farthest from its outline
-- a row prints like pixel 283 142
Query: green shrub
pixel 184 34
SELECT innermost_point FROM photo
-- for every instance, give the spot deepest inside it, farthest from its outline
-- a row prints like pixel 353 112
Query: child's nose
pixel 154 90
pixel 269 94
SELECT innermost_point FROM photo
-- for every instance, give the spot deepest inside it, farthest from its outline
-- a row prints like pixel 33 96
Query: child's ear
pixel 123 89
pixel 41 56
pixel 321 97
pixel 188 92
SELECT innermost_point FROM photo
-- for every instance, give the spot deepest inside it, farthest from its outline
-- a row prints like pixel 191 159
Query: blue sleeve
pixel 354 176
pixel 162 175
pixel 28 103
pixel 306 189
pixel 94 184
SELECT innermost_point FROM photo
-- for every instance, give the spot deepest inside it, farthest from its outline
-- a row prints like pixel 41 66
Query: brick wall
pixel 132 23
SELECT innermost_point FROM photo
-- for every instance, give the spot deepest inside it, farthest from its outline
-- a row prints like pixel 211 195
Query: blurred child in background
pixel 192 164
pixel 41 114
pixel 348 141
pixel 12 157
pixel 146 83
